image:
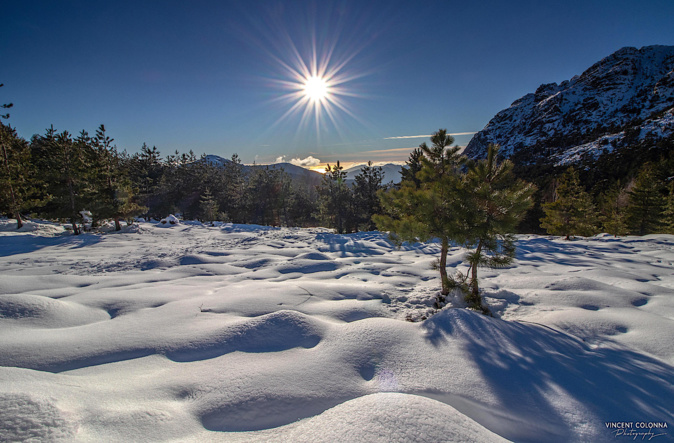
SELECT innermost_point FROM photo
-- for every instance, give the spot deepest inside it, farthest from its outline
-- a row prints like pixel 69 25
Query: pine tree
pixel 145 170
pixel 612 204
pixel 668 215
pixel 301 208
pixel 113 191
pixel 62 165
pixel 209 207
pixel 267 195
pixel 181 185
pixel 16 174
pixel 412 167
pixel 573 212
pixel 495 204
pixel 431 210
pixel 366 199
pixel 235 190
pixel 335 203
pixel 646 202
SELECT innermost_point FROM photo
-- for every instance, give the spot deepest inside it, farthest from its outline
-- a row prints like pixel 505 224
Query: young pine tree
pixel 495 203
pixel 572 212
pixel 432 209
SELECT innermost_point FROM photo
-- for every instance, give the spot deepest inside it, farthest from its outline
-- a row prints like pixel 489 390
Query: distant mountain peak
pixel 623 99
pixel 215 160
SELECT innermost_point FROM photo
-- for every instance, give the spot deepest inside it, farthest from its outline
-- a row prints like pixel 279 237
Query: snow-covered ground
pixel 242 333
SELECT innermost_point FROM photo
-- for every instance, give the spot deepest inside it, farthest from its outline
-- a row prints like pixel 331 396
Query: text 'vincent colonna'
pixel 636 425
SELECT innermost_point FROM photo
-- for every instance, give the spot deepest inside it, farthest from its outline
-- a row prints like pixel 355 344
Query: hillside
pixel 624 100
pixel 297 173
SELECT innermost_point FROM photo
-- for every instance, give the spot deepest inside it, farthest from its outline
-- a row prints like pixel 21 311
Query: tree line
pixel 630 191
pixel 58 176
pixel 643 205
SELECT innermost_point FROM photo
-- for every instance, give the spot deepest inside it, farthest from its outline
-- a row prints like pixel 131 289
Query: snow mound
pixel 273 332
pixel 391 417
pixel 45 312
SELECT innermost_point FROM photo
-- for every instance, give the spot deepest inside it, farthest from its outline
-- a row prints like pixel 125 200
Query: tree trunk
pixel 443 268
pixel 73 217
pixel 475 290
pixel 118 227
pixel 76 230
pixel 19 221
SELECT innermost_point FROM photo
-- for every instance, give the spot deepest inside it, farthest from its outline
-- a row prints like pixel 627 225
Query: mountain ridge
pixel 622 100
pixel 391 170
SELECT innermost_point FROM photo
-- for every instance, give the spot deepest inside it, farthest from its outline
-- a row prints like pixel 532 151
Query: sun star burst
pixel 316 88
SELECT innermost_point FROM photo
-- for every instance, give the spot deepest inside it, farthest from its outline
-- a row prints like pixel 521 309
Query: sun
pixel 316 88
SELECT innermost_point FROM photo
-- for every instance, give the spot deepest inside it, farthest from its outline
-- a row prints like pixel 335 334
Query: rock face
pixel 623 100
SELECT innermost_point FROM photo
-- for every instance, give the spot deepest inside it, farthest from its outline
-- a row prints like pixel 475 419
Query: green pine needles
pixel 473 204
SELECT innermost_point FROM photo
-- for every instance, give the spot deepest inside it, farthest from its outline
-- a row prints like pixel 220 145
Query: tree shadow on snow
pixel 527 366
pixel 569 253
pixel 25 244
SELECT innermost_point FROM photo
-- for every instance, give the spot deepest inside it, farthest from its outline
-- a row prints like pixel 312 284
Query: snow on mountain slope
pixel 391 172
pixel 249 333
pixel 624 99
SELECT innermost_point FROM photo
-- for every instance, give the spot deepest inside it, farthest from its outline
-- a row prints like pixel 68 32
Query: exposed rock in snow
pixel 170 220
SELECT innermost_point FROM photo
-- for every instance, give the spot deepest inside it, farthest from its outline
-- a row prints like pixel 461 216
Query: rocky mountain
pixel 624 100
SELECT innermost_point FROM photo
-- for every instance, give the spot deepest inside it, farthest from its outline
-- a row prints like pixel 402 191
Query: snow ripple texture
pixel 250 333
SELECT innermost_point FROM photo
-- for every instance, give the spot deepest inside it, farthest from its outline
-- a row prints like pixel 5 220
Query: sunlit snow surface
pixel 245 333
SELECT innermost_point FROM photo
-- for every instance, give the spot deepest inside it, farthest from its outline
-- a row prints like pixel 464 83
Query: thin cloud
pixel 406 136
pixel 426 136
pixel 389 151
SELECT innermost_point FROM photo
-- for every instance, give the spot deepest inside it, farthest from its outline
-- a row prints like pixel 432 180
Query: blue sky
pixel 216 76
